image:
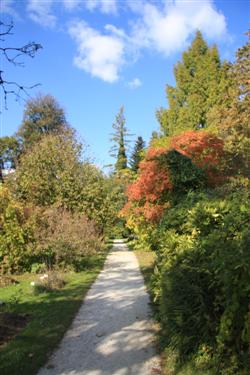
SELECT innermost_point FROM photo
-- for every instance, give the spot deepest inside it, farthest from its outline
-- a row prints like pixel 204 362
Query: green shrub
pixel 184 174
pixel 201 278
pixel 16 235
pixel 202 282
pixel 36 239
pixel 38 267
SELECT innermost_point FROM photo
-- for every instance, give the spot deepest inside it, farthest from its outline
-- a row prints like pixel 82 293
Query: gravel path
pixel 113 333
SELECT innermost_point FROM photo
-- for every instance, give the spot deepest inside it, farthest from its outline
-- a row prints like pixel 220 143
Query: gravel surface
pixel 113 333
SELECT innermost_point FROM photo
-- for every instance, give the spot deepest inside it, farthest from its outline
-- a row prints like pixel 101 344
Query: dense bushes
pixel 64 238
pixel 53 237
pixel 53 172
pixel 201 278
pixel 202 286
pixel 57 207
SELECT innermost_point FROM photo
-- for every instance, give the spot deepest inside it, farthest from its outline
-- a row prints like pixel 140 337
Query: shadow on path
pixel 113 333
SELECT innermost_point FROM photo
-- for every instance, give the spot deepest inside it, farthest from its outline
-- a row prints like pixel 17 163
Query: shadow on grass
pixel 51 314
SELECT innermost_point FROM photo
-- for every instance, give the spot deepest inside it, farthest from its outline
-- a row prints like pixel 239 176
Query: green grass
pixel 146 261
pixel 51 314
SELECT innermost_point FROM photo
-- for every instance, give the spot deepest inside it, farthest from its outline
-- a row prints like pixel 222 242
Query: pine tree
pixel 118 150
pixel 137 154
pixel 197 89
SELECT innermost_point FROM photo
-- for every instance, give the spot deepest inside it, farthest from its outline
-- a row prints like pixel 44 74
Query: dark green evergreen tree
pixel 197 89
pixel 119 138
pixel 137 154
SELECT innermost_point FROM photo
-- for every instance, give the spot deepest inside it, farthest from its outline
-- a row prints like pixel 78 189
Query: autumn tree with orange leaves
pixel 192 160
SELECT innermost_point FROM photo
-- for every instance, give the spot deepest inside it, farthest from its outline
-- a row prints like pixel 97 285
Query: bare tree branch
pixel 12 54
pixel 7 31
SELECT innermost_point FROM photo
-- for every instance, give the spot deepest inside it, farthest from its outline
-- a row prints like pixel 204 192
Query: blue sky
pixel 101 54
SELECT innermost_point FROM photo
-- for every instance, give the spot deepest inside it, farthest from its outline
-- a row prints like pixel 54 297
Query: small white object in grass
pixel 32 283
pixel 45 276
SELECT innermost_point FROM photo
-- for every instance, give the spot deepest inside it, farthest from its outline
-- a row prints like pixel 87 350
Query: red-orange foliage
pixel 153 213
pixel 152 181
pixel 147 190
pixel 204 149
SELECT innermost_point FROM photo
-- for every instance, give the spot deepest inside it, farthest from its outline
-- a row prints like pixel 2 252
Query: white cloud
pixel 101 55
pixel 135 83
pixel 41 12
pixel 115 31
pixel 104 6
pixel 210 21
pixel 167 28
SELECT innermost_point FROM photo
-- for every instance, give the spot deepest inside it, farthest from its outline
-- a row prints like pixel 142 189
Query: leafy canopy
pixel 48 172
pixel 42 116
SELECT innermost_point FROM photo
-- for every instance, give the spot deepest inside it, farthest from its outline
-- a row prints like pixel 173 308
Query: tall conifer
pixel 137 154
pixel 118 150
pixel 197 89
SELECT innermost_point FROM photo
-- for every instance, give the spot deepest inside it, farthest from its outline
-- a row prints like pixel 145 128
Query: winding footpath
pixel 113 333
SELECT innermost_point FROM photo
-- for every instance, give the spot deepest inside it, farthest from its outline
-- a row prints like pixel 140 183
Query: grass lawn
pixel 50 314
